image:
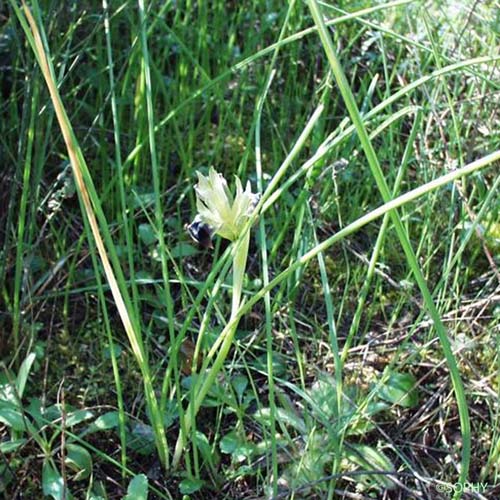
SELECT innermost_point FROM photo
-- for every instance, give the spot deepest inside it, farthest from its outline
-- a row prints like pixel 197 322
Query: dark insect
pixel 200 232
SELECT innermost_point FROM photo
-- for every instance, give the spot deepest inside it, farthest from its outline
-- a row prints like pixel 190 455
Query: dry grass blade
pixel 76 159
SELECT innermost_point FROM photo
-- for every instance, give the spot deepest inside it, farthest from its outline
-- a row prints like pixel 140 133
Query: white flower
pixel 223 214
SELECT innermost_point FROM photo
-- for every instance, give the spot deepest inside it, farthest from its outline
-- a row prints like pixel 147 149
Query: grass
pixel 362 359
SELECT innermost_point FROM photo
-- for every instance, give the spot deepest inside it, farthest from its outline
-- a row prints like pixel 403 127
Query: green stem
pixel 225 340
pixel 239 265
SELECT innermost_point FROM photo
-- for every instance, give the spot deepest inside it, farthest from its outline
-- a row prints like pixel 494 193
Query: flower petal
pixel 217 207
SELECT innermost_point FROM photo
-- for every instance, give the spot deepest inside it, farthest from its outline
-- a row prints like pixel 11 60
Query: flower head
pixel 223 214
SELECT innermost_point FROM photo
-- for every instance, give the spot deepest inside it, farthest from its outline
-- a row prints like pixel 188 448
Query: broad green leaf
pixel 141 200
pixel 371 459
pixel 311 465
pixel 147 234
pixel 170 413
pixel 141 439
pixel 52 483
pixel 323 394
pixel 34 408
pixel 12 417
pixel 10 446
pixel 245 450
pixel 279 364
pixel 137 488
pixel 53 412
pixel 184 250
pixel 108 420
pixel 360 421
pixel 24 371
pixel 108 351
pixel 229 442
pixel 37 263
pixel 217 395
pixel 78 417
pixel 189 486
pixel 286 417
pixel 240 383
pixel 239 448
pixel 208 454
pixel 399 389
pixel 314 459
pixel 79 460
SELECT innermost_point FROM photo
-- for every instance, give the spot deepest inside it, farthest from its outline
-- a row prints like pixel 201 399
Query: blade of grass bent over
pixel 377 173
pixel 93 212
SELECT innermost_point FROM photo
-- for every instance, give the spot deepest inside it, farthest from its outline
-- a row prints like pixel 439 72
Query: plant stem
pixel 239 266
pixel 225 339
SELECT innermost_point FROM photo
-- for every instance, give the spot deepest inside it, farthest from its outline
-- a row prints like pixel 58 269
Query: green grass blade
pixel 402 235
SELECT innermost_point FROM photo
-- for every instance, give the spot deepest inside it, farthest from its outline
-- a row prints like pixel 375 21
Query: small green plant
pixel 58 430
pixel 47 427
pixel 310 455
